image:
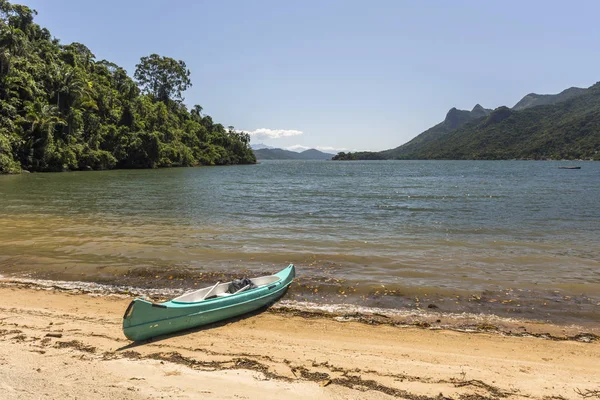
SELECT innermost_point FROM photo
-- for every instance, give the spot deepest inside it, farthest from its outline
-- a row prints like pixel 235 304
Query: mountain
pixel 454 119
pixel 534 100
pixel 275 154
pixel 314 154
pixel 561 126
pixel 260 146
pixel 280 154
pixel 297 148
pixel 569 129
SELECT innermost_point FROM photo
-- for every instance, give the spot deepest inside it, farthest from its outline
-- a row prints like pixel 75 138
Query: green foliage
pixel 61 109
pixel 163 77
pixel 358 155
pixel 7 162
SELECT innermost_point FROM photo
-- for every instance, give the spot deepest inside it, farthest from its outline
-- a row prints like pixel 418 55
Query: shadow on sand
pixel 196 329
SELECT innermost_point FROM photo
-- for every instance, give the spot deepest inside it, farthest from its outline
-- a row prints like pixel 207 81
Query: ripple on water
pixel 446 229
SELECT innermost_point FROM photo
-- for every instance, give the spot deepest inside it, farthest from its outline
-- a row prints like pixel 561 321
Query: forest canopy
pixel 62 109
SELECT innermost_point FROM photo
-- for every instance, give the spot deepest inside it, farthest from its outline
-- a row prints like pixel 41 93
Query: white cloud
pixel 266 133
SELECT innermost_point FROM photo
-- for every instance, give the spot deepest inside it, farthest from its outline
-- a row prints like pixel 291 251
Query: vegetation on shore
pixel 539 127
pixel 358 155
pixel 61 109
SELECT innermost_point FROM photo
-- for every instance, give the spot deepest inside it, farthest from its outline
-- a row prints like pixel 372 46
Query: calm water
pixel 506 237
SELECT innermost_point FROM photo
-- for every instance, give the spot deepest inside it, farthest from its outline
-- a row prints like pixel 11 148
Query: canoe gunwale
pixel 203 301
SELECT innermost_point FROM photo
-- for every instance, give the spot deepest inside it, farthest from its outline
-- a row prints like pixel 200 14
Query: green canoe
pixel 144 319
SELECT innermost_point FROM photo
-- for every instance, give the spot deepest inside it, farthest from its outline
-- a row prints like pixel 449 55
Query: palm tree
pixel 13 39
pixel 70 84
pixel 196 112
pixel 13 42
pixel 43 119
pixel 128 89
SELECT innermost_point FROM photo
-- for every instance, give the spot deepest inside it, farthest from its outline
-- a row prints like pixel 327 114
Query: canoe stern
pixel 287 274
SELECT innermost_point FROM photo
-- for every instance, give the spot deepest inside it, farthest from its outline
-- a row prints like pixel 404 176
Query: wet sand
pixel 62 345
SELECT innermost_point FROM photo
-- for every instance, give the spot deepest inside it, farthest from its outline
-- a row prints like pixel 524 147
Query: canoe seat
pixel 220 290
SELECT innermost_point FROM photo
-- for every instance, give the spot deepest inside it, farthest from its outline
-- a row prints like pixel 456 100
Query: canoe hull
pixel 144 320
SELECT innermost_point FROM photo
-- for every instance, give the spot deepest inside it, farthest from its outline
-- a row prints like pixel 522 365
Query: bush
pixel 97 160
pixel 7 163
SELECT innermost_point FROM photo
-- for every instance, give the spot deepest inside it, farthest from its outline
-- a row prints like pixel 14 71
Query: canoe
pixel 569 167
pixel 144 319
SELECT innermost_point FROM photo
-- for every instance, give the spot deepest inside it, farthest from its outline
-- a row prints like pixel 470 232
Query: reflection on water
pixel 516 233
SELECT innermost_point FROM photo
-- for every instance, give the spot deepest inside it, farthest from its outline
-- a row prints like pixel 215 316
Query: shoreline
pixel 428 315
pixel 278 352
pixel 23 171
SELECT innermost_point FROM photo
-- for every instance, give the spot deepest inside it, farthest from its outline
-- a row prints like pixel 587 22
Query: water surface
pixel 505 237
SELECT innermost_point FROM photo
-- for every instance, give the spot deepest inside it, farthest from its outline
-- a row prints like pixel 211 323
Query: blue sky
pixel 352 75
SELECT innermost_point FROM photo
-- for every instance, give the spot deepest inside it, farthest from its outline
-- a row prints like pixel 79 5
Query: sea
pixel 511 239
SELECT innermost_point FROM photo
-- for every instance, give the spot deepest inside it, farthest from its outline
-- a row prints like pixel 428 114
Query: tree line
pixel 61 109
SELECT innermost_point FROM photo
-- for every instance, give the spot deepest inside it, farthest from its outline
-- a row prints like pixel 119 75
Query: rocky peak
pixel 456 117
pixel 478 111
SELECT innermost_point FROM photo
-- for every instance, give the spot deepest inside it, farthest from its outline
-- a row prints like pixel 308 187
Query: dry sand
pixel 271 355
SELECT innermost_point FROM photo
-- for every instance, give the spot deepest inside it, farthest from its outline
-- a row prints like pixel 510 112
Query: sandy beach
pixel 61 345
pixel 410 200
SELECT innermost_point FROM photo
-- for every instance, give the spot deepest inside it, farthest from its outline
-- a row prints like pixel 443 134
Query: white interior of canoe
pixel 220 290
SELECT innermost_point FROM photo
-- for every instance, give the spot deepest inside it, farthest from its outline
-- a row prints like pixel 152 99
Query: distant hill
pixel 275 154
pixel 259 146
pixel 280 154
pixel 314 154
pixel 562 126
pixel 534 100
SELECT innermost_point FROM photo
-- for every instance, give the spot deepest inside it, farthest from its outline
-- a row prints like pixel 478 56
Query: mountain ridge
pixel 260 146
pixel 568 129
pixel 281 154
pixel 534 99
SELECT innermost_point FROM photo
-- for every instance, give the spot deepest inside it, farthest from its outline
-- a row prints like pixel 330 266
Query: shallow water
pixel 513 238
